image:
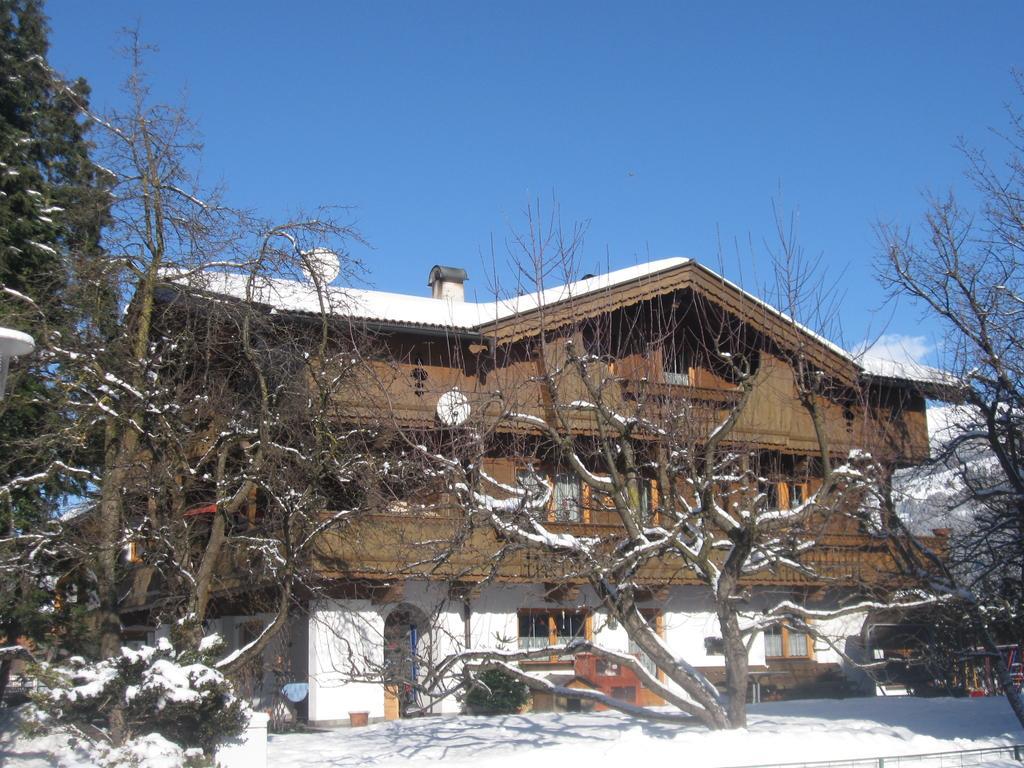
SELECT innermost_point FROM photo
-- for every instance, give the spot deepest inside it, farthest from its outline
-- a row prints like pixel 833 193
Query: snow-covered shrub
pixel 164 707
pixel 149 751
pixel 496 693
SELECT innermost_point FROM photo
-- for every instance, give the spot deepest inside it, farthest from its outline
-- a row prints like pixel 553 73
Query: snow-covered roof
pixel 904 370
pixel 405 309
pixel 427 312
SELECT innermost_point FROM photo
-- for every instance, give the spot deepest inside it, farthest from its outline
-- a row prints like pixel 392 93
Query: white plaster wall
pixel 345 641
pixel 845 633
pixel 842 635
pixel 757 655
pixel 345 637
pixel 689 618
pixel 607 635
pixel 447 633
pixel 838 632
pixel 495 622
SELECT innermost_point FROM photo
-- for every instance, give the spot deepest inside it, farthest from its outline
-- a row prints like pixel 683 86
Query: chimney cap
pixel 448 274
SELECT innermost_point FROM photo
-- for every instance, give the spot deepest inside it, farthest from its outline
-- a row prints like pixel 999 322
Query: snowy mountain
pixel 934 495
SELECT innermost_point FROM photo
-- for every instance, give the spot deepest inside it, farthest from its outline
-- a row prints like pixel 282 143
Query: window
pixel 797 494
pixel 540 628
pixel 534 631
pixel 567 495
pixel 624 693
pixel 649 502
pixel 567 499
pixel 134 551
pixel 568 624
pixel 715 646
pixel 676 363
pixel 531 482
pixel 782 641
pixel 787 495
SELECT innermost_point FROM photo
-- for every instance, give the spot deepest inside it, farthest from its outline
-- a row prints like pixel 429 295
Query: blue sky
pixel 670 127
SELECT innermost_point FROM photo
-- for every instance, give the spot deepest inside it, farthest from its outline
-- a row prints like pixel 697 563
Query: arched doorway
pixel 406 656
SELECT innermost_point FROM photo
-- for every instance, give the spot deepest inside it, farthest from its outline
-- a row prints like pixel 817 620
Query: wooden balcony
pixel 635 389
pixel 389 546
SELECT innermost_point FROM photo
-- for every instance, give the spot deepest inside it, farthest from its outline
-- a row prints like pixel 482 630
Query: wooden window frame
pixel 551 613
pixel 784 630
pixel 133 552
pixel 785 493
pixel 582 494
pixel 551 477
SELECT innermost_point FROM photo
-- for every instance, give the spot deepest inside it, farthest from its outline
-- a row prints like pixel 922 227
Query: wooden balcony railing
pixel 633 389
pixel 388 546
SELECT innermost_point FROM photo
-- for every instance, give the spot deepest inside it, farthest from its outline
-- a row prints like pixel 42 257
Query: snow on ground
pixel 778 732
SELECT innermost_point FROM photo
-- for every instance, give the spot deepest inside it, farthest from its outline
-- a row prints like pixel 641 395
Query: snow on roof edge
pixel 428 312
pixel 904 370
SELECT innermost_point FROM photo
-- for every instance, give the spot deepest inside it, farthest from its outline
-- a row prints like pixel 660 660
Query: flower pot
pixel 358 719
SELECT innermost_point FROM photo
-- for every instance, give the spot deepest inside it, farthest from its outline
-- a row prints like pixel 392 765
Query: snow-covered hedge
pixel 174 706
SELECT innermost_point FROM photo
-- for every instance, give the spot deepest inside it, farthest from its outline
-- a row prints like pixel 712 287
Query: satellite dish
pixel 452 408
pixel 321 265
pixel 12 344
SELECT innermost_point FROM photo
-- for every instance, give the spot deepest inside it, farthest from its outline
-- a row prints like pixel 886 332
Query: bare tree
pixel 583 458
pixel 215 418
pixel 962 267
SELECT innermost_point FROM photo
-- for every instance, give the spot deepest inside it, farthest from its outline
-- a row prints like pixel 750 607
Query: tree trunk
pixel 711 711
pixel 200 598
pixel 736 662
pixel 119 452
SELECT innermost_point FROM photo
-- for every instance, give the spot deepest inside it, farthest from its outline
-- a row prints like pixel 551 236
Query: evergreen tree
pixel 52 208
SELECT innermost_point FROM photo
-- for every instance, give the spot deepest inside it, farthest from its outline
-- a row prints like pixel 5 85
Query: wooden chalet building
pixel 661 334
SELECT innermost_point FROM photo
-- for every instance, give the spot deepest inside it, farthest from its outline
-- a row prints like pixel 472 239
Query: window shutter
pixel 783 494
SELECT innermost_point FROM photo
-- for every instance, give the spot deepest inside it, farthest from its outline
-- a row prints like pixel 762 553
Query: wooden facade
pixel 625 327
